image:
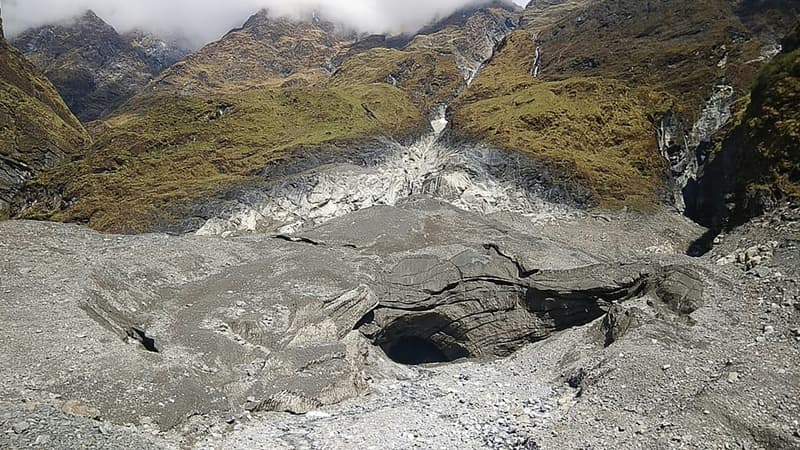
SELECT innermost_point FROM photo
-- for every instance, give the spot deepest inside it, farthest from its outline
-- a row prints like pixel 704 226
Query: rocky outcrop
pixel 158 53
pixel 93 67
pixel 754 164
pixel 485 303
pixel 471 34
pixel 37 131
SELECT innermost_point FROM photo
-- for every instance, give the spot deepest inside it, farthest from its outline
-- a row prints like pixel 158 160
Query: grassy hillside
pixel 430 78
pixel 594 130
pixel 36 129
pixel 772 125
pixel 266 50
pixel 608 72
pixel 162 152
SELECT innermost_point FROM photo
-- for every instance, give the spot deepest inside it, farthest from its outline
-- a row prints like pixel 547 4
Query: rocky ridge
pixel 37 130
pixel 94 68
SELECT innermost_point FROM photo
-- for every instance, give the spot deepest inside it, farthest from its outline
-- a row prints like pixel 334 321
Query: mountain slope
pixel 265 50
pixel 212 123
pixel 437 63
pixel 756 162
pixel 620 99
pixel 595 132
pixel 93 67
pixel 633 67
pixel 37 130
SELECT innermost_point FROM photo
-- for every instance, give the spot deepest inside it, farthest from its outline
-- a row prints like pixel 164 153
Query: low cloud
pixel 203 21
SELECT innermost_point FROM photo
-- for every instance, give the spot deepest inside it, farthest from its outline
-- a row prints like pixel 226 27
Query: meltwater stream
pixel 462 177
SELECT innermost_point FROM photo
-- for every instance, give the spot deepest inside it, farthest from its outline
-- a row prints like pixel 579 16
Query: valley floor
pixel 726 378
pixel 722 376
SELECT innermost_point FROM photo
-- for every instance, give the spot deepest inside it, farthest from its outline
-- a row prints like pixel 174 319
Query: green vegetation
pixel 770 128
pixel 31 132
pixel 213 122
pixel 16 71
pixel 610 70
pixel 429 77
pixel 682 47
pixel 163 152
pixel 36 128
pixel 597 130
pixel 266 50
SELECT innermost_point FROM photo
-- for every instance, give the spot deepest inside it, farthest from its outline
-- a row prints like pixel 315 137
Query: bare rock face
pixel 93 67
pixel 484 303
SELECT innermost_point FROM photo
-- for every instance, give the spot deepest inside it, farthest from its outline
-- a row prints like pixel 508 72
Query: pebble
pixel 666 367
pixel 769 329
pixel 733 377
pixel 20 427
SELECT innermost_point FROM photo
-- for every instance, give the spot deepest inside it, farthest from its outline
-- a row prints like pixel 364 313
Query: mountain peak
pixel 95 68
pixel 90 21
pixel 91 16
pixel 264 19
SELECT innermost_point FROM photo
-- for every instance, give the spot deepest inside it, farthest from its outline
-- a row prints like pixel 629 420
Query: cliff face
pixel 93 67
pixel 755 164
pixel 37 130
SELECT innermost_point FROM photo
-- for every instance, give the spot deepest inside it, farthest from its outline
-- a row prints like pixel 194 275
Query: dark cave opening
pixel 146 341
pixel 414 350
pixel 703 244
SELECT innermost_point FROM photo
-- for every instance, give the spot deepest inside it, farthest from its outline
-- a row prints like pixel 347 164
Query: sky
pixel 203 21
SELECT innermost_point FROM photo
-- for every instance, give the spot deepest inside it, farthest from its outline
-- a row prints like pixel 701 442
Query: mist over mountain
pixel 206 20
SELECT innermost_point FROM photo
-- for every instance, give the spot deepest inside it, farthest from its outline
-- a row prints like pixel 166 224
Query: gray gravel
pixel 724 376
